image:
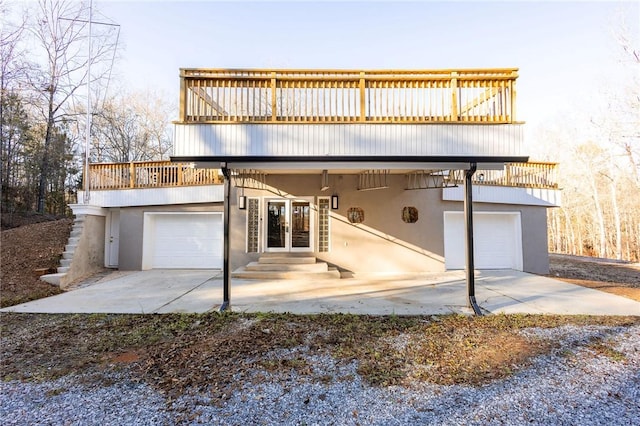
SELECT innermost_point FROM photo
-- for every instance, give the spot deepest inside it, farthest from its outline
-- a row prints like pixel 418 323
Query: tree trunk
pixel 44 165
pixel 571 243
pixel 602 234
pixel 616 220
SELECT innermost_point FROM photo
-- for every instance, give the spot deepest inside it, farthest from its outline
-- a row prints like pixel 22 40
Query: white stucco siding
pixel 274 140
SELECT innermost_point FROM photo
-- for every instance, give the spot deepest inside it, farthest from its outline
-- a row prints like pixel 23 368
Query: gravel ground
pixel 575 385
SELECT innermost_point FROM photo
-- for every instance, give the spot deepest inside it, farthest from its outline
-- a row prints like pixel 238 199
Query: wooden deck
pixel 150 174
pixel 165 174
pixel 347 96
pixel 541 175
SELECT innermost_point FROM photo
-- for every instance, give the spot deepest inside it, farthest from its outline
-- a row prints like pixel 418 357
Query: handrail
pixel 149 174
pixel 347 96
pixel 165 174
pixel 543 175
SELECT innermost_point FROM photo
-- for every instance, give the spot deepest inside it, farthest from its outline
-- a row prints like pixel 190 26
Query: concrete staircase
pixel 286 267
pixel 67 255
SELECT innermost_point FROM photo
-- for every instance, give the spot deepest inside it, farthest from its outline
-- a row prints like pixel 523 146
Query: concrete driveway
pixel 164 291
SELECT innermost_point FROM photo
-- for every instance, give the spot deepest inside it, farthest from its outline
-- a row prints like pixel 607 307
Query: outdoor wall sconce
pixel 242 202
pixel 481 177
pixel 334 202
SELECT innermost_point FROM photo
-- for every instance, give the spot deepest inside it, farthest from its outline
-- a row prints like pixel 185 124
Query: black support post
pixel 226 272
pixel 468 214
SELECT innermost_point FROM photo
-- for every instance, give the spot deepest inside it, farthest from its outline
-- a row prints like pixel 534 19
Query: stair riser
pixel 287 260
pixel 266 275
pixel 53 279
pixel 275 267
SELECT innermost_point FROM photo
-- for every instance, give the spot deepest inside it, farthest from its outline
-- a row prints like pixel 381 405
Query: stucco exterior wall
pixel 88 257
pixel 132 230
pixel 384 242
pixel 533 221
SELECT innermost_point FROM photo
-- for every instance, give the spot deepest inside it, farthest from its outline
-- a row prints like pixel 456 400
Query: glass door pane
pixel 300 224
pixel 277 224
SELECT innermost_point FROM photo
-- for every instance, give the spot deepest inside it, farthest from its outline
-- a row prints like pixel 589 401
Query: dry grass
pixel 182 352
pixel 25 249
pixel 619 278
pixel 214 353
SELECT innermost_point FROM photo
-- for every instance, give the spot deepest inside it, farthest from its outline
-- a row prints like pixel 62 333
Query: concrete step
pixel 63 269
pixel 67 254
pixel 291 260
pixel 70 247
pixel 73 240
pixel 284 267
pixel 285 275
pixel 53 279
pixel 75 233
pixel 65 262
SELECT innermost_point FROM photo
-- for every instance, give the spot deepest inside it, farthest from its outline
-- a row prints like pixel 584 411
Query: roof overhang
pixel 350 164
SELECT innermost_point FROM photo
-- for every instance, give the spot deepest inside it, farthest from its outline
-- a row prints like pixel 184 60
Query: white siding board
pixel 506 195
pixel 156 196
pixel 347 140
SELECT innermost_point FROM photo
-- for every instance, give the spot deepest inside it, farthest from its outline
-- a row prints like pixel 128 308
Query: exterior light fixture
pixel 242 202
pixel 334 202
pixel 481 177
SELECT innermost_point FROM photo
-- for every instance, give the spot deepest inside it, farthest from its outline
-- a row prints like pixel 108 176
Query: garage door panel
pixel 496 239
pixel 185 241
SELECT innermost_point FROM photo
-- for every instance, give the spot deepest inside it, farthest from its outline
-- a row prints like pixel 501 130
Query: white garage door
pixel 183 240
pixel 497 238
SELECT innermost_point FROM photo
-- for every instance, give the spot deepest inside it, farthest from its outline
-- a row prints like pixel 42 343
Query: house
pixel 353 171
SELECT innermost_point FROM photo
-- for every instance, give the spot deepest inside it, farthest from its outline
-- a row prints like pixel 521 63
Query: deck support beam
pixel 468 214
pixel 226 281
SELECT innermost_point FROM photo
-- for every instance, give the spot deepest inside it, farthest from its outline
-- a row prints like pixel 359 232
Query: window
pixel 253 224
pixel 323 224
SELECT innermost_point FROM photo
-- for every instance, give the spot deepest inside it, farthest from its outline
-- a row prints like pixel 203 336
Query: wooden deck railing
pixel 164 174
pixel 332 96
pixel 521 175
pixel 149 174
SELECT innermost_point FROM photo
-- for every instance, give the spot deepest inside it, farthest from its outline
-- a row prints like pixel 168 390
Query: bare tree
pixel 132 127
pixel 60 30
pixel 14 121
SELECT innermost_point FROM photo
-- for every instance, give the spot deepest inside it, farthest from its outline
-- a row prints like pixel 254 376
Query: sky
pixel 564 50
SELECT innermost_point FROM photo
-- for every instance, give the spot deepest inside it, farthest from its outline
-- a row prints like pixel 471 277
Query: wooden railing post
pixel 180 173
pixel 132 175
pixel 454 96
pixel 363 104
pixel 512 116
pixel 274 112
pixel 183 96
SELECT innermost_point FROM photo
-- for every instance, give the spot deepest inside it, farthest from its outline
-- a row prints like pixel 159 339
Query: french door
pixel 288 225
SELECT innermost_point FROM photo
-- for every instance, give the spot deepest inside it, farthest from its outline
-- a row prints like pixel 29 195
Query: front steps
pixel 67 255
pixel 286 267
